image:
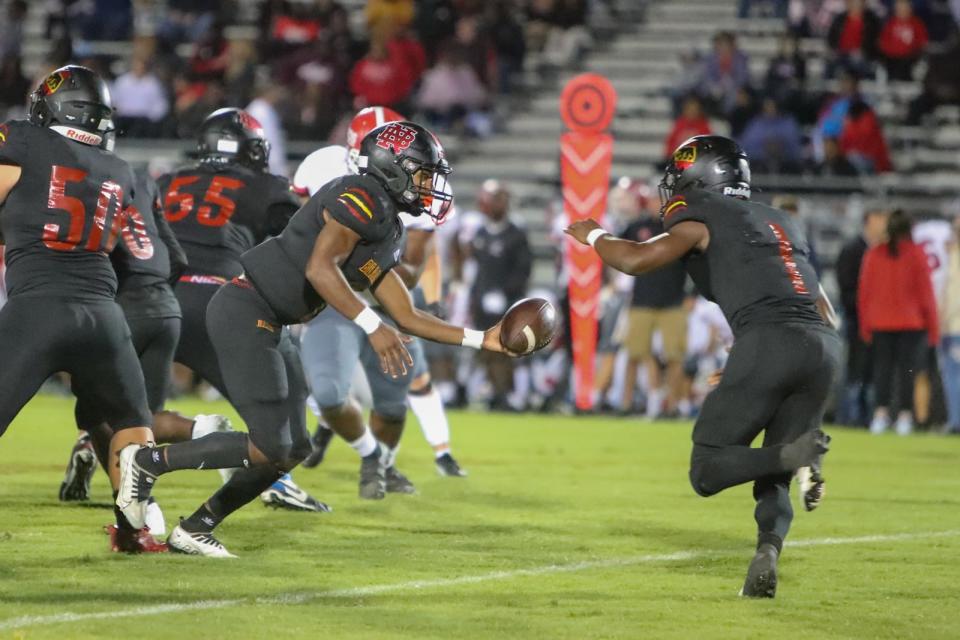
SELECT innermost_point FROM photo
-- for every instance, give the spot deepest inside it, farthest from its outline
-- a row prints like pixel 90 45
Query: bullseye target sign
pixel 587 106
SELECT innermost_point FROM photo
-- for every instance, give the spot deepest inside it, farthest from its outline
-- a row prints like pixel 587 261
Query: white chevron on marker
pixel 585 165
pixel 582 206
pixel 584 277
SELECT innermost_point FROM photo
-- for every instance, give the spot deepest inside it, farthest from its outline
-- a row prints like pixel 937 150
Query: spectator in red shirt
pixel 862 141
pixel 211 55
pixel 381 77
pixel 691 122
pixel 853 38
pixel 902 41
pixel 898 316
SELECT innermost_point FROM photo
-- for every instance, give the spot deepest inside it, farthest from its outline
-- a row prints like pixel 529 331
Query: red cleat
pixel 134 540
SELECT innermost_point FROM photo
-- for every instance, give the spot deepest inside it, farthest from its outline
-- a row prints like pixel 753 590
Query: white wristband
pixel 595 235
pixel 368 320
pixel 472 338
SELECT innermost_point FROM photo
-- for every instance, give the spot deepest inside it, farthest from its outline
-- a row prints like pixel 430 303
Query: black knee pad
pixel 699 471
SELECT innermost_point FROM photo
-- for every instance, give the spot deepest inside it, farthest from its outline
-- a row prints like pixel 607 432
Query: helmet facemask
pixel 428 191
pixel 667 187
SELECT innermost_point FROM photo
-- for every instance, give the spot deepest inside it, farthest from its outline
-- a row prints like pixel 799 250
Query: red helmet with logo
pixel 363 123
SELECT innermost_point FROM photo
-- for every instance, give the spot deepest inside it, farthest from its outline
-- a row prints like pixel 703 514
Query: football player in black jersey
pixel 751 260
pixel 222 205
pixel 347 238
pixel 145 270
pixel 64 202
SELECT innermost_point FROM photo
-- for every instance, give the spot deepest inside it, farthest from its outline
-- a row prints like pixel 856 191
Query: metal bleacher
pixel 639 50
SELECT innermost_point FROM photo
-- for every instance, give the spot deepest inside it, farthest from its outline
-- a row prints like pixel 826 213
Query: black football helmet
pixel 713 163
pixel 394 153
pixel 233 135
pixel 75 102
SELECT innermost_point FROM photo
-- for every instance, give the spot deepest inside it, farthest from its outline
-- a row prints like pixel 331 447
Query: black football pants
pixel 154 340
pixel 776 380
pixel 89 340
pixel 195 349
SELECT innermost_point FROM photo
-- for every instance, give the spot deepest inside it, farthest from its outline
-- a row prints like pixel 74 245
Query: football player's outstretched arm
pixel 393 295
pixel 333 246
pixel 636 258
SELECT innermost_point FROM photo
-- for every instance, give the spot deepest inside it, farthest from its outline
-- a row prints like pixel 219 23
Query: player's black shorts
pixel 777 379
pixel 89 340
pixel 195 349
pixel 261 369
pixel 154 340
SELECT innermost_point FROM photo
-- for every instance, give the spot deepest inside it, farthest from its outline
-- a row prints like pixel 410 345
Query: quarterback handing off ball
pixel 528 326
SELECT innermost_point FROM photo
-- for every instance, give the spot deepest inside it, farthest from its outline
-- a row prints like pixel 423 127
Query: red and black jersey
pixel 158 255
pixel 218 212
pixel 146 266
pixel 64 216
pixel 756 266
pixel 278 266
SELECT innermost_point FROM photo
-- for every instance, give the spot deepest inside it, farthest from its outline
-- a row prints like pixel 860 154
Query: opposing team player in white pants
pixel 331 347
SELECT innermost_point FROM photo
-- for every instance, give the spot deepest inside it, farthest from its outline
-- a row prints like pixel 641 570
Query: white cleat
pixel 135 486
pixel 204 425
pixel 812 487
pixel 154 518
pixel 904 426
pixel 285 494
pixel 196 544
pixel 879 425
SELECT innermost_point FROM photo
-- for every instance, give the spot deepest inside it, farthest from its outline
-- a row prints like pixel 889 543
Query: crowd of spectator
pixel 449 61
pixel 786 122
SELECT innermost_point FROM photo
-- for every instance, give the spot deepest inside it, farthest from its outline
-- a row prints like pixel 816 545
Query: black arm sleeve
pixel 178 258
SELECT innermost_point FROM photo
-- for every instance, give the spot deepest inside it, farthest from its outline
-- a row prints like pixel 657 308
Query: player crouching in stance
pixel 346 238
pixel 65 200
pixel 752 260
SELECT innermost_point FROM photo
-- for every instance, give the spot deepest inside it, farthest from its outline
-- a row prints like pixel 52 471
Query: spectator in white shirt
pixel 264 110
pixel 140 101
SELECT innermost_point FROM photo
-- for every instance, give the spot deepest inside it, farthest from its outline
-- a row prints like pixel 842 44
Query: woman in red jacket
pixel 898 316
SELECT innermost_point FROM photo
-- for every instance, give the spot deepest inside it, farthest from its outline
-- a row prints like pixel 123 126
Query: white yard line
pixel 24 622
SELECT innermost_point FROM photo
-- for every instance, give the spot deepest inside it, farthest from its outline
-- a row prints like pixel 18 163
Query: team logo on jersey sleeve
pixel 4 130
pixel 371 269
pixel 396 136
pixel 54 81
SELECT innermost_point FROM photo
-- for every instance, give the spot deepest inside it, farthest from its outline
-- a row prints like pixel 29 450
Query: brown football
pixel 528 326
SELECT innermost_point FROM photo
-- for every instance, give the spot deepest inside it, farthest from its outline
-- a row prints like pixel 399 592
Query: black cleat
pixel 447 466
pixel 373 480
pixel 80 469
pixel 398 483
pixel 320 441
pixel 761 579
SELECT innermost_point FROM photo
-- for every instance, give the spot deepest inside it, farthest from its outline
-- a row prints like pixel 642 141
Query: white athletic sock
pixel 314 407
pixel 365 444
pixel 391 455
pixel 655 399
pixel 433 419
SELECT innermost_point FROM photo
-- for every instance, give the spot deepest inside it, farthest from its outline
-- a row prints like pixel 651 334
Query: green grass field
pixel 566 528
